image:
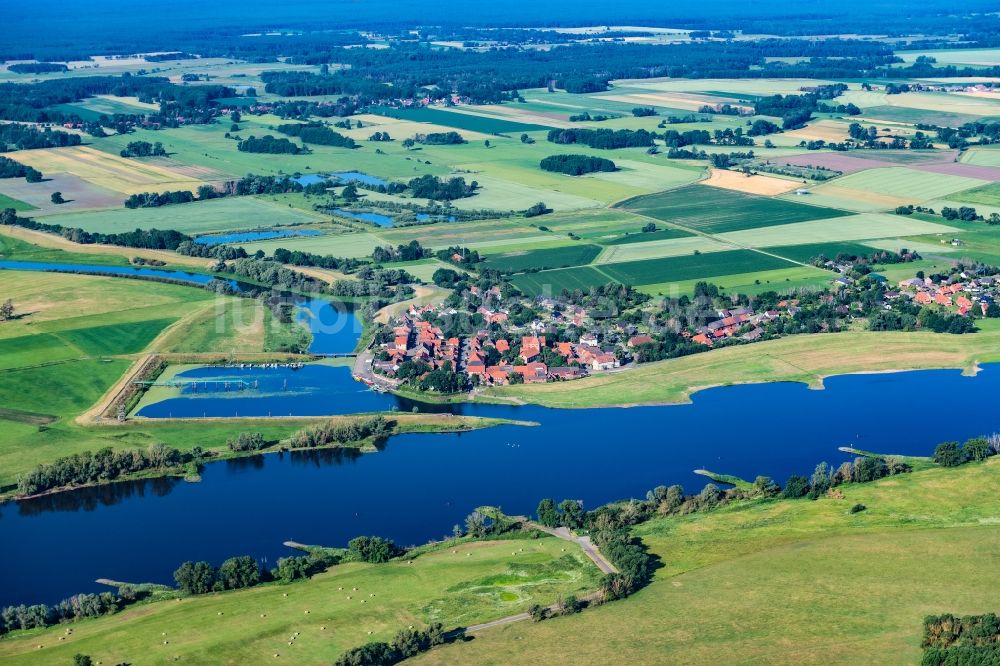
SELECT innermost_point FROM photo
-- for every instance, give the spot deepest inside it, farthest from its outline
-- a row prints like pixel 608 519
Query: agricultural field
pixel 462 121
pixel 105 170
pixel 668 269
pixel 559 257
pixel 713 210
pixel 19 206
pixel 198 217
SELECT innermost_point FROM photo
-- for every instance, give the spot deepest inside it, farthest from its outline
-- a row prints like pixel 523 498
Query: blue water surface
pixel 420 484
pixel 251 236
pixel 117 271
pixel 374 218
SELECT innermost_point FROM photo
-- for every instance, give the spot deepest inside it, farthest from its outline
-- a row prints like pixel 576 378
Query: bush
pixel 949 454
pixel 371 549
pixel 858 508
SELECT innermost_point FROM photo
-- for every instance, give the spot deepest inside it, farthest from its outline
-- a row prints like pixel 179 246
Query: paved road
pixel 588 547
pixel 510 619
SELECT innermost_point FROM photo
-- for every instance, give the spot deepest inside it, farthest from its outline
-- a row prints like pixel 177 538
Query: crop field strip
pixel 558 257
pixel 714 210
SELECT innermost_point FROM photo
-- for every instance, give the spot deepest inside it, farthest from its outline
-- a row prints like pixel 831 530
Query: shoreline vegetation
pixel 395 424
pixel 623 530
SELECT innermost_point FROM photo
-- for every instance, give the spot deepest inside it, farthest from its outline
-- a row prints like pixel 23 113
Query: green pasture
pixel 226 214
pixel 986 195
pixel 715 210
pixel 863 226
pixel 789 581
pixel 987 156
pixel 804 253
pixel 460 120
pixel 906 183
pixel 16 204
pixel 670 269
pixel 629 238
pixel 655 249
pixel 315 620
pixel 559 257
pixel 553 282
pixel 781 280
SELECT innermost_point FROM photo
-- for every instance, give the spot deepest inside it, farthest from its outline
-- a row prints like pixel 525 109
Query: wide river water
pixel 420 485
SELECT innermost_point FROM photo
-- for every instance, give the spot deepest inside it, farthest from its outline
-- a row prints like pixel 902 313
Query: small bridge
pixel 208 385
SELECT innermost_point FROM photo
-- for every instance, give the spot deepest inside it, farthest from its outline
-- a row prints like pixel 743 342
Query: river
pixel 420 485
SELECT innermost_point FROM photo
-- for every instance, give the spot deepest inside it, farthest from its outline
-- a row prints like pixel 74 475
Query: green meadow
pixel 787 581
pixel 315 620
pixel 714 210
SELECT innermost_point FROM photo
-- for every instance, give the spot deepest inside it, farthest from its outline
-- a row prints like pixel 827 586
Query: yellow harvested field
pixel 121 174
pixel 131 101
pixel 822 130
pixel 734 180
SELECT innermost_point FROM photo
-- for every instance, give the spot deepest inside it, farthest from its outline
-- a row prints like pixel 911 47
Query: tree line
pixel 316 133
pixel 12 169
pixel 269 144
pixel 150 239
pixel 105 465
pixel 15 136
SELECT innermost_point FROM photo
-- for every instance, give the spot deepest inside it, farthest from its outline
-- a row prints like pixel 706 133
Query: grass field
pixel 809 251
pixel 344 607
pixel 987 195
pixel 788 582
pixel 193 218
pixel 854 227
pixel 553 282
pixel 559 257
pixel 800 358
pixel 16 204
pixel 462 121
pixel 668 269
pixel 715 210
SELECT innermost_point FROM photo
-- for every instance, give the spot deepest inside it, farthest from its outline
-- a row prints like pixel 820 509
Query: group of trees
pixel 333 432
pixel 13 618
pixel 411 251
pixel 271 273
pixel 269 144
pixel 432 187
pixel 12 169
pixel 15 136
pixel 143 149
pixel 439 139
pixel 157 199
pixel 316 133
pixel 233 574
pixel 104 465
pixel 405 644
pixel 971 639
pixel 953 454
pixel 576 165
pixel 151 239
pixel 603 138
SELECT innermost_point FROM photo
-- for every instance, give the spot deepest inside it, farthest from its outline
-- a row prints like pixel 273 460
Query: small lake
pixel 374 218
pixel 117 271
pixel 335 326
pixel 343 176
pixel 420 485
pixel 250 236
pixel 423 217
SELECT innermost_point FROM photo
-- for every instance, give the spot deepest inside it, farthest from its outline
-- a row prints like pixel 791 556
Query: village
pixel 554 340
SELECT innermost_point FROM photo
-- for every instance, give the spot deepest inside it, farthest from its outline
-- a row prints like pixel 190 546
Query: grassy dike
pixel 787 581
pixel 800 358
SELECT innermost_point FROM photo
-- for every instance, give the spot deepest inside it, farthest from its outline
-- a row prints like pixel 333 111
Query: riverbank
pixel 807 359
pixel 400 423
pixel 718 566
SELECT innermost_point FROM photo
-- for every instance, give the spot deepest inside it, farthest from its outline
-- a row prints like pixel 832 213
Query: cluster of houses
pixel 964 295
pixel 522 357
pixel 741 322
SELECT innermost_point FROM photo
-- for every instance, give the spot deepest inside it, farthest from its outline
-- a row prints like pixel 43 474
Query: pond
pixel 420 485
pixel 374 218
pixel 342 176
pixel 116 271
pixel 250 236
